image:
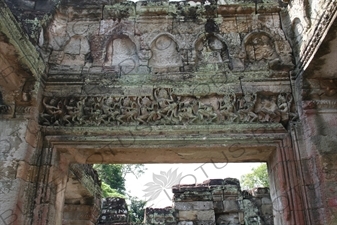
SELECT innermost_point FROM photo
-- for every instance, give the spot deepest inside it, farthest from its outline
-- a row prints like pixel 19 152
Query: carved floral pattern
pixel 164 107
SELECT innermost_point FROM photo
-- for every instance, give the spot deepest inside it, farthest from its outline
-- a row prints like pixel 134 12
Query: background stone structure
pixel 114 211
pixel 216 201
pixel 105 81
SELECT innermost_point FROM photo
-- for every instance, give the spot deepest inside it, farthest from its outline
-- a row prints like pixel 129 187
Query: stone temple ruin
pixel 214 202
pixel 217 201
pixel 107 81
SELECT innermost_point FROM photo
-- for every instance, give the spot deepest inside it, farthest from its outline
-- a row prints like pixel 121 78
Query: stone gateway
pixel 104 81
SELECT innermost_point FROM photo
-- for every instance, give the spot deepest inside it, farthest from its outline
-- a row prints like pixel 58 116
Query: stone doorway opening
pixel 221 200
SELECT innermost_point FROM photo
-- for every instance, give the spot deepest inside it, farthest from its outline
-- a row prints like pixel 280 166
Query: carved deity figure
pixel 55 111
pixel 260 47
pixel 267 110
pixel 206 112
pixel 226 107
pixel 187 108
pixel 284 101
pixel 145 109
pixel 167 107
pixel 129 111
pixel 246 107
pixel 110 108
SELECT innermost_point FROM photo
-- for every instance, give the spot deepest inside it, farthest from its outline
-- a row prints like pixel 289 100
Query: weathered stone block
pixel 197 205
pixel 206 215
pixel 217 191
pixel 192 196
pixel 267 209
pixel 229 218
pixel 77 212
pixel 185 223
pixel 266 200
pixel 260 192
pixel 218 206
pixel 231 205
pixel 213 182
pixel 230 190
pixel 187 215
pixel 217 197
pixel 205 222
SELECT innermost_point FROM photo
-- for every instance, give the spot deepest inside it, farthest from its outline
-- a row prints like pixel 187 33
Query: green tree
pixel 113 185
pixel 112 175
pixel 257 178
pixel 136 210
pixel 107 191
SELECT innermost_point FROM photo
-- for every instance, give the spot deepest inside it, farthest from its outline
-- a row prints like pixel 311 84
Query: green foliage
pixel 113 185
pixel 136 210
pixel 136 169
pixel 107 191
pixel 257 178
pixel 112 175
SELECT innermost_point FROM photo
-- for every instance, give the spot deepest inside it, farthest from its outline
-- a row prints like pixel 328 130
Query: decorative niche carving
pixel 121 54
pixel 164 107
pixel 259 51
pixel 165 55
pixel 211 53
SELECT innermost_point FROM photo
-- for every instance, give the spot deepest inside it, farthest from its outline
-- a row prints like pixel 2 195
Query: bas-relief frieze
pixel 163 107
pixel 160 45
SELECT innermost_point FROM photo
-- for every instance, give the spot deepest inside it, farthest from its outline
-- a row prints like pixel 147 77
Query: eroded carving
pixel 165 55
pixel 259 51
pixel 165 107
pixel 211 51
pixel 122 55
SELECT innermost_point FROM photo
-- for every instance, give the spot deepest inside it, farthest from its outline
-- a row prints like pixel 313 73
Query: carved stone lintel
pixel 164 107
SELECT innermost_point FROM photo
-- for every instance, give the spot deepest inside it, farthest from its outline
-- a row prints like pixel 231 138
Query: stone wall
pixel 215 201
pixel 82 196
pixel 114 211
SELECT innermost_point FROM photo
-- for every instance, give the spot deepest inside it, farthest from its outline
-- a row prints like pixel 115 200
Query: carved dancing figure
pixel 145 107
pixel 79 115
pixel 226 107
pixel 246 108
pixel 129 111
pixel 206 111
pixel 268 111
pixel 55 109
pixel 154 115
pixel 284 101
pixel 167 106
pixel 187 111
pixel 71 108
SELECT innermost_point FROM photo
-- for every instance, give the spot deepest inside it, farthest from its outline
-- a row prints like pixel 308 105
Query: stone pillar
pixel 316 149
pixel 18 144
pixel 82 197
pixel 286 185
pixel 51 186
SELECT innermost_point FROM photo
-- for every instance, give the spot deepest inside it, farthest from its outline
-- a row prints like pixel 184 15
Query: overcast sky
pixel 155 184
